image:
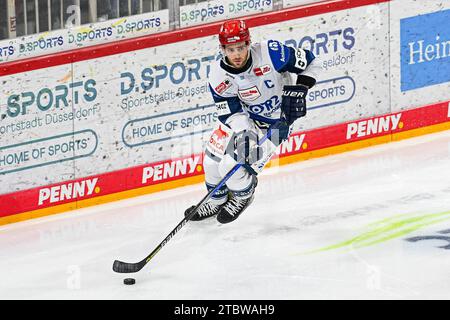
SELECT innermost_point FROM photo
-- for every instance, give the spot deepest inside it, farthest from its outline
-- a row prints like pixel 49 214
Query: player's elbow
pixel 311 74
pixel 313 70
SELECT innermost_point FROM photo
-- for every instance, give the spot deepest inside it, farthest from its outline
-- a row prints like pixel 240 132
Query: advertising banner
pixel 215 10
pixel 347 44
pixel 292 3
pixel 154 104
pixel 130 120
pixel 419 52
pixel 83 36
pixel 425 50
pixel 157 176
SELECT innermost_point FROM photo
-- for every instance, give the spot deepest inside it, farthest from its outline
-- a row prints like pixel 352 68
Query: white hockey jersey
pixel 256 88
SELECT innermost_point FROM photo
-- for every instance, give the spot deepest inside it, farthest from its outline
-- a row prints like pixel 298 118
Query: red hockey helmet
pixel 233 31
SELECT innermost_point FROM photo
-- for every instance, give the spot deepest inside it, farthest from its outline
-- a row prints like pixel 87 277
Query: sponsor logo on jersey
pixel 267 108
pixel 277 53
pixel 169 170
pixel 274 45
pixel 220 133
pixel 262 70
pixel 219 140
pixel 283 56
pixel 223 86
pixel 68 191
pixel 250 94
pixel 373 126
pixel 300 59
pixel 222 108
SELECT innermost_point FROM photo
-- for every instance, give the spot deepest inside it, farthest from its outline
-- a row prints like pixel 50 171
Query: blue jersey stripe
pixel 284 58
pixel 234 104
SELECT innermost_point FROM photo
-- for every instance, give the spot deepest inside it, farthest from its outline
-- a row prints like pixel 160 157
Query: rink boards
pixel 118 120
pixel 188 170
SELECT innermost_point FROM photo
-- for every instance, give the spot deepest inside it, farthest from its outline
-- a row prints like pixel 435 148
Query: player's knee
pixel 211 168
pixel 239 179
pixel 210 164
pixel 226 164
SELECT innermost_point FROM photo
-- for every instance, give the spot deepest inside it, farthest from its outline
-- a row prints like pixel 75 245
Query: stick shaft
pixel 124 267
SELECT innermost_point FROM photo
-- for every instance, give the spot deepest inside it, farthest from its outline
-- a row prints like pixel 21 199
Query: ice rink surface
pixel 368 224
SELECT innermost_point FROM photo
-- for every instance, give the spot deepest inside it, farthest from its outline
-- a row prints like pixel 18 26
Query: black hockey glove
pixel 293 103
pixel 293 100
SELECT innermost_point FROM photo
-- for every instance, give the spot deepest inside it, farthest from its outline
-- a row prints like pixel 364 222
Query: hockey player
pixel 252 86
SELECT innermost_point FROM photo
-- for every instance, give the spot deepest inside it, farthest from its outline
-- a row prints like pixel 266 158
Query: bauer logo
pixel 68 191
pixel 425 50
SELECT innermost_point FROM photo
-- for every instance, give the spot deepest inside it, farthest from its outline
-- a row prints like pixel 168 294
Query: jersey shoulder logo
pixel 223 86
pixel 249 94
pixel 260 71
pixel 278 54
pixel 274 45
pixel 300 59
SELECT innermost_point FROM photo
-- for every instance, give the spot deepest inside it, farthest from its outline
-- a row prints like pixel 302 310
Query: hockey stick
pixel 125 267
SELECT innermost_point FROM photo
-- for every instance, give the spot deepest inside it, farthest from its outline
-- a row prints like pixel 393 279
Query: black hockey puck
pixel 129 281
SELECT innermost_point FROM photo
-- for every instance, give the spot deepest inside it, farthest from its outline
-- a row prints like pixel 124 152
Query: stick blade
pixel 124 267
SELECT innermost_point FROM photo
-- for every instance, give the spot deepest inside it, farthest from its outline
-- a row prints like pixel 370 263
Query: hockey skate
pixel 206 210
pixel 236 204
